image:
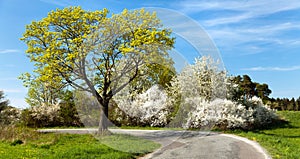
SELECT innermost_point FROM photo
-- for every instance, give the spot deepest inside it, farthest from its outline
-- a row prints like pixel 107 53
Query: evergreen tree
pixel 3 102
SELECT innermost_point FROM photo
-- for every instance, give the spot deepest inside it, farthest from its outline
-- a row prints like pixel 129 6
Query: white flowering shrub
pixel 262 114
pixel 42 116
pixel 45 111
pixel 206 114
pixel 148 108
pixel 226 114
pixel 10 116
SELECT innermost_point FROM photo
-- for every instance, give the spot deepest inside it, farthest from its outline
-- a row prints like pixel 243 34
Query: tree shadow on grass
pixel 280 135
pixel 278 124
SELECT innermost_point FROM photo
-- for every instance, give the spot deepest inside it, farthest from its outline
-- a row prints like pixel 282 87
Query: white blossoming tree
pixel 200 81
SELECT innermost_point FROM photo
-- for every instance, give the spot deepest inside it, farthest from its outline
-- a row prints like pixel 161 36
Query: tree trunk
pixel 103 122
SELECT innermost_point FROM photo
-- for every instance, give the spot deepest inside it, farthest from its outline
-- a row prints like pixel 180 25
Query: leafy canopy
pixel 101 55
pixel 53 41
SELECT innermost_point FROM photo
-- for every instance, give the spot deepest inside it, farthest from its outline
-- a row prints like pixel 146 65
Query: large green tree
pixel 245 88
pixel 100 55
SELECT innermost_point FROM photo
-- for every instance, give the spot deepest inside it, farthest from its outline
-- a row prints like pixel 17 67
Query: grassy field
pixel 282 141
pixel 26 143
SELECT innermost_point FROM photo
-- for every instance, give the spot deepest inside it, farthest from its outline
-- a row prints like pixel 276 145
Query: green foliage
pixel 68 112
pixel 36 145
pixel 262 91
pixel 247 87
pixel 282 140
pixel 26 118
pixel 53 41
pixel 243 88
pixel 42 91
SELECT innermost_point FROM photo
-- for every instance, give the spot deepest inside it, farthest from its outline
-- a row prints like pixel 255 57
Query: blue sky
pixel 254 37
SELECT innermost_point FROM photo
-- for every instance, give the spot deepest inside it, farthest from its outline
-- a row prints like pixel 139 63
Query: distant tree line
pixel 285 104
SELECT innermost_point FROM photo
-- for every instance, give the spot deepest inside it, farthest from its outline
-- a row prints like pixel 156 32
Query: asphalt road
pixel 190 144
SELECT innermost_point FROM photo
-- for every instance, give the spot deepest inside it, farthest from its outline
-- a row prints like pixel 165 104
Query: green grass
pixel 26 143
pixel 282 141
pixel 121 142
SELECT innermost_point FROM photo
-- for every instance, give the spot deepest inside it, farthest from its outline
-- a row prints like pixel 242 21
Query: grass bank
pixel 26 143
pixel 281 141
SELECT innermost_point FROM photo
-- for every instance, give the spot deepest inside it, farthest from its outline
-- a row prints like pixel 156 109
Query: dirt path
pixel 190 144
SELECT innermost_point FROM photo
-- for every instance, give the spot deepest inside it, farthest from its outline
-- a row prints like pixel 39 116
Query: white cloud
pixel 244 9
pixel 255 36
pixel 6 51
pixel 271 29
pixel 226 20
pixel 292 68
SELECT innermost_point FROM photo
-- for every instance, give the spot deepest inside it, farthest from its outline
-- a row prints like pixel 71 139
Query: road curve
pixel 189 144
